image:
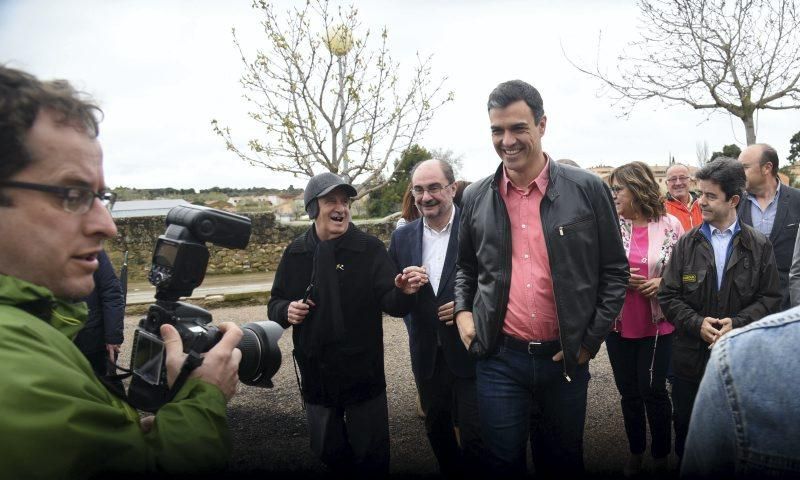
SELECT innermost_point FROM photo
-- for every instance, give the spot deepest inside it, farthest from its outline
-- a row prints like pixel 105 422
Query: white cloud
pixel 163 70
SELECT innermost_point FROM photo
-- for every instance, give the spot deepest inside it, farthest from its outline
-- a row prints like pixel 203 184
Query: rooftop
pixel 145 208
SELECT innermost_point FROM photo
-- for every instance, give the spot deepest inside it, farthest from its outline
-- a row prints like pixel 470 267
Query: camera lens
pixel 261 356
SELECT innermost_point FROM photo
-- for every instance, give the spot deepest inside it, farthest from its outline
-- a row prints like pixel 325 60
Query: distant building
pixel 145 208
pixel 659 171
pixel 220 205
pixel 288 207
pixel 269 199
pixel 603 171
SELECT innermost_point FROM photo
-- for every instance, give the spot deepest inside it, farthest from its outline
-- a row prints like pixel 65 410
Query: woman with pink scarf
pixel 639 345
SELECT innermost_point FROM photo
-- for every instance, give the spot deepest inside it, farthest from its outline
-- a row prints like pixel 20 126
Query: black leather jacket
pixel 587 260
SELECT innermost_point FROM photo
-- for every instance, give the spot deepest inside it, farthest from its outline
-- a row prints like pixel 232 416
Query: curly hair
pixel 22 98
pixel 640 181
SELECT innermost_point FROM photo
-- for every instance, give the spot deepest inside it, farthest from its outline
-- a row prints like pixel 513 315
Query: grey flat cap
pixel 321 185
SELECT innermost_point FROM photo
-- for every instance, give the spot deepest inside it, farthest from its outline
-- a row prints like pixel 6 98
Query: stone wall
pixel 268 240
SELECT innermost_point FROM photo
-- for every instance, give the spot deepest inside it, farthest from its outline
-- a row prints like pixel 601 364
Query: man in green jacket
pixel 57 420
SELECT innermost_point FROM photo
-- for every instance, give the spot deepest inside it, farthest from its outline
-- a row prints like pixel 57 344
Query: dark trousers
pixel 99 361
pixel 445 397
pixel 643 401
pixel 522 396
pixel 352 439
pixel 683 395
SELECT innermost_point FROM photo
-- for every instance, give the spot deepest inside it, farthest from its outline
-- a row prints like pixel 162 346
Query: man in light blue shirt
pixel 721 276
pixel 764 217
pixel 770 207
pixel 722 245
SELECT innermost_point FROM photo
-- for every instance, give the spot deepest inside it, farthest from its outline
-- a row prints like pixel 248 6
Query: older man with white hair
pixel 332 285
pixel 681 202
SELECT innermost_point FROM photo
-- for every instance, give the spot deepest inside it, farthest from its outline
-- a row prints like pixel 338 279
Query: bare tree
pixel 739 56
pixel 327 102
pixel 448 155
pixel 702 153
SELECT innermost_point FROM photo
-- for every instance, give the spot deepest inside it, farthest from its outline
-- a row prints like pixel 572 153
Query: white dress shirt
pixel 434 250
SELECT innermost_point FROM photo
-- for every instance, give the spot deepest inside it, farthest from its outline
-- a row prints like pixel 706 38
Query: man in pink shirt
pixel 541 276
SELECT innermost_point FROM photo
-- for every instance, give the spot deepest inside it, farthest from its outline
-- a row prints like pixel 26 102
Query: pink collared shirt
pixel 531 312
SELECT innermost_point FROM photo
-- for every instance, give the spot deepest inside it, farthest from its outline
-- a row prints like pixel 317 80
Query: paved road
pixel 142 292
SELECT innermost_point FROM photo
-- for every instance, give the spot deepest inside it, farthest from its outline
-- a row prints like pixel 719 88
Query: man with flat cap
pixel 332 285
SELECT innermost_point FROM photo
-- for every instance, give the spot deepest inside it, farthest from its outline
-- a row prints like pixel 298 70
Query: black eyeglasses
pixel 617 188
pixel 75 199
pixel 433 189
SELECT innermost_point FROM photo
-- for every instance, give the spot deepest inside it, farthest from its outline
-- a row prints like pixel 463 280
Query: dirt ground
pixel 269 432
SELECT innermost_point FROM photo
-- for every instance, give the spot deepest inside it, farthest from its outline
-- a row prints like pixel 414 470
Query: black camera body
pixel 180 259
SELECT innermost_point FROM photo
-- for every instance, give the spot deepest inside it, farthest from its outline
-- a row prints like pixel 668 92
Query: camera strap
pixel 192 361
pixel 297 376
pixel 113 384
pixel 149 399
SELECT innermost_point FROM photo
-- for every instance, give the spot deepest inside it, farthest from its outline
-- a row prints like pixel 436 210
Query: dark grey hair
pixel 727 173
pixel 513 91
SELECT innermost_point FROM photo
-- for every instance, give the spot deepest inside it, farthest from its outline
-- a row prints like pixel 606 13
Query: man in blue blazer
pixel 443 370
pixel 771 207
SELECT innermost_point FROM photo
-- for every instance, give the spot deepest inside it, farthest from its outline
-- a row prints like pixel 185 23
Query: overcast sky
pixel 161 70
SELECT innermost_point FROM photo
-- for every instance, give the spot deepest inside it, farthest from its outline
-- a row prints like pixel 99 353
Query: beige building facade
pixel 659 171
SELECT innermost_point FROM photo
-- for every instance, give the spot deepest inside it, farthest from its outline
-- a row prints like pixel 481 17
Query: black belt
pixel 535 348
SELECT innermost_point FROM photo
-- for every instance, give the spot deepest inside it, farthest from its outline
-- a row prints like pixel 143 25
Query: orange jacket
pixel 690 216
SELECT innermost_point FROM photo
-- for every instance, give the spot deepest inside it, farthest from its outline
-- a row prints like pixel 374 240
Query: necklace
pixel 634 244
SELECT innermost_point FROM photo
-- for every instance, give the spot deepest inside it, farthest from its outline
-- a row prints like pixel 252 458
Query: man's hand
pixel 726 325
pixel 709 329
pixel 113 352
pixel 298 311
pixel 466 327
pixel 220 364
pixel 446 313
pixel 411 280
pixel 583 356
pixel 650 287
pixel 635 281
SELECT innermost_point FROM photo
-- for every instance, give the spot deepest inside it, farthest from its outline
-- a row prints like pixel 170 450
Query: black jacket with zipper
pixel 587 261
pixel 351 371
pixel 688 292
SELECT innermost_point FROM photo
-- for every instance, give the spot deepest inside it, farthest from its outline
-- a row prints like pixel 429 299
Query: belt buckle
pixel 532 346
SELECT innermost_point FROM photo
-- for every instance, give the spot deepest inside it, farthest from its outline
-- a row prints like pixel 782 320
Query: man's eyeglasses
pixel 75 199
pixel 433 189
pixel 675 179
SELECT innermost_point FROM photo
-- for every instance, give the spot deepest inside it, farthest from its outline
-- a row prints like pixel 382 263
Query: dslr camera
pixel 179 265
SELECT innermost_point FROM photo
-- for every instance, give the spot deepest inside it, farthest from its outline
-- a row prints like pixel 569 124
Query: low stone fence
pixel 268 240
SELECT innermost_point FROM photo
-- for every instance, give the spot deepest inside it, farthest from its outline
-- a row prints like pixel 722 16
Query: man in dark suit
pixel 101 337
pixel 443 370
pixel 771 207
